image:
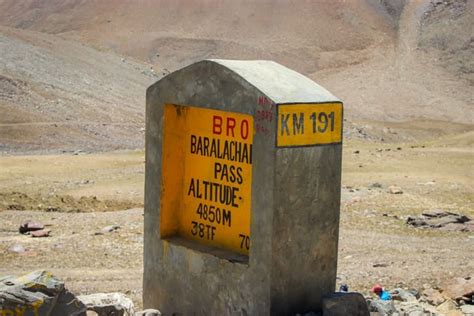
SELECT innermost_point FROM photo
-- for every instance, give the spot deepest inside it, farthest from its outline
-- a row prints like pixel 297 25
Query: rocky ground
pixel 98 249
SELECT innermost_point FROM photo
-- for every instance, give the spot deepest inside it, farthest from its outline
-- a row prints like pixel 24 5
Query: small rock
pixel 116 304
pixel 427 183
pixel 436 213
pixel 447 306
pixel 415 293
pixel 110 228
pixel 30 226
pixel 380 265
pixel 148 312
pixel 455 227
pixel 433 296
pixel 17 248
pixel 40 233
pixel 441 219
pixel 375 185
pixel 467 309
pixel 38 286
pixel 344 288
pixel 395 190
pixel 382 307
pixel 342 304
pixel 403 295
pixel 356 152
pixel 411 308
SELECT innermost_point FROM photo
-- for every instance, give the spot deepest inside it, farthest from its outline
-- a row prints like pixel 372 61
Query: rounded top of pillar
pixel 277 82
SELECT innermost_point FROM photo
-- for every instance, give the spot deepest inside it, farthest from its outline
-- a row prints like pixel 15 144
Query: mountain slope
pixel 61 94
pixel 61 60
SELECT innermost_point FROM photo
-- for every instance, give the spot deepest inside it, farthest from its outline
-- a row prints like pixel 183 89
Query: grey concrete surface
pixel 295 202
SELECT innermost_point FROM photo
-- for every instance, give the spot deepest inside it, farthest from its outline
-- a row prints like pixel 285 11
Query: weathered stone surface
pixel 30 226
pixel 467 309
pixel 458 288
pixel 343 304
pixel 40 233
pixel 447 306
pixel 110 228
pixel 38 293
pixel 410 308
pixel 433 297
pixel 68 304
pixel 295 202
pixel 108 304
pixel 403 295
pixel 382 307
pixel 442 220
pixel 393 189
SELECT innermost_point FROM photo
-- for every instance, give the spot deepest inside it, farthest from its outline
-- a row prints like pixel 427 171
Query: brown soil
pixel 57 203
pixel 376 246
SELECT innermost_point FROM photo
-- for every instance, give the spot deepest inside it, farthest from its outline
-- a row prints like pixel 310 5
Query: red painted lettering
pixel 217 125
pixel 230 126
pixel 244 129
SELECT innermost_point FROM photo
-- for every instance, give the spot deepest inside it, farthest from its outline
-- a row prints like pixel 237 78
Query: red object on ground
pixel 40 233
pixel 377 288
pixel 30 226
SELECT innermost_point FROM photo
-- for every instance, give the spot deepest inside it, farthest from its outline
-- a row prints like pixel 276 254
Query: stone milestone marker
pixel 242 192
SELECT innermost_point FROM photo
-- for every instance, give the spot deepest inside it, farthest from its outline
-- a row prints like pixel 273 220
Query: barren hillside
pixel 57 94
pixel 388 60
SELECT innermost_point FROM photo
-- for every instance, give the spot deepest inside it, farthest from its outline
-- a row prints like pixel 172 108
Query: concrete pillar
pixel 242 192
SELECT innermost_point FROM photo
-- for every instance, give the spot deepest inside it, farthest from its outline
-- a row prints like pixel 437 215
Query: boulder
pixel 342 304
pixel 382 307
pixel 108 304
pixel 37 293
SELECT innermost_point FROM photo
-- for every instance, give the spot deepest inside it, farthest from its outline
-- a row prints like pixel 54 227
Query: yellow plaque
pixel 309 124
pixel 206 176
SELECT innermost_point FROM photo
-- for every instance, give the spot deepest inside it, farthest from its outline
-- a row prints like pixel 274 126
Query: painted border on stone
pixel 309 104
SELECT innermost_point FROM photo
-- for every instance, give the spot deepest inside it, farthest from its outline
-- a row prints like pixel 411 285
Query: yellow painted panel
pixel 172 170
pixel 207 174
pixel 309 124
